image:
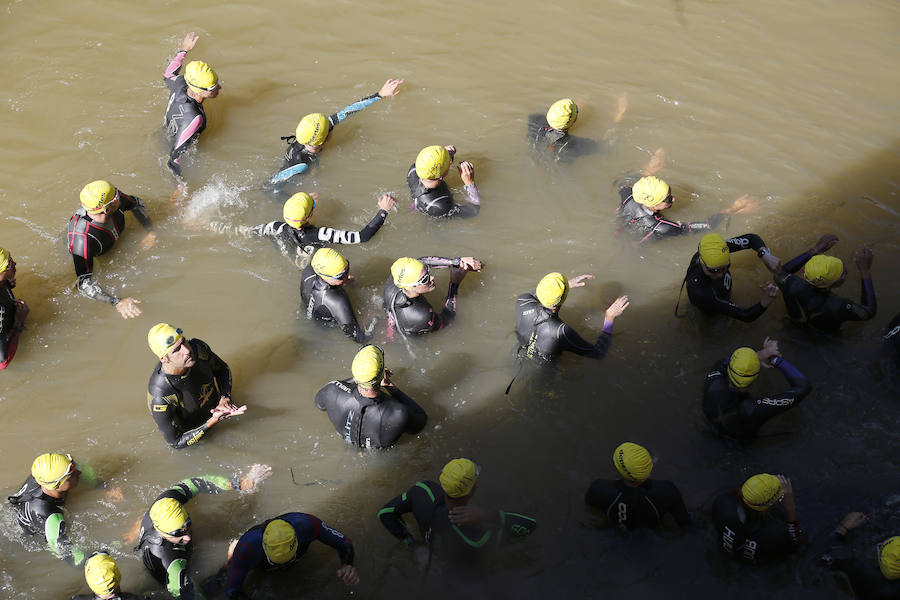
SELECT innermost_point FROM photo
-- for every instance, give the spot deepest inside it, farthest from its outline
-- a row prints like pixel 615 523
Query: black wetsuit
pixel 438 202
pixel 641 506
pixel 456 544
pixel 117 596
pixel 412 316
pixel 733 412
pixel 299 245
pixel 643 224
pixel 820 308
pixel 328 304
pixel 168 562
pixel 751 535
pixel 41 515
pixel 863 572
pixel 249 553
pixel 556 145
pixel 185 118
pixel 543 336
pixel 8 337
pixel 87 239
pixel 714 295
pixel 892 338
pixel 181 404
pixel 370 422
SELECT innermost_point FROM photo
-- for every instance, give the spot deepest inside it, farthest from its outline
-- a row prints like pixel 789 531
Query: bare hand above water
pixel 467 172
pixel 580 281
pixel 863 259
pixel 770 292
pixel 390 88
pixel 386 202
pixel 825 243
pixel 769 349
pixel 470 263
pixel 149 241
pixel 190 40
pixel 743 204
pixel 617 308
pixel 254 477
pixel 127 307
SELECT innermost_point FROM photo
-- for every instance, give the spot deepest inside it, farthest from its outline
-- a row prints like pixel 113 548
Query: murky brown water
pixel 793 103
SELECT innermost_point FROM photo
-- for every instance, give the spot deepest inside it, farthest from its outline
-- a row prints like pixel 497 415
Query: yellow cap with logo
pixel 650 191
pixel 552 290
pixel 432 162
pixel 368 366
pixel 279 541
pixel 329 263
pixel 822 271
pixel 407 272
pixel 4 259
pixel 889 557
pixel 51 470
pixel 714 251
pixel 162 337
pixel 743 367
pixel 458 477
pixel 97 195
pixel 313 129
pixel 298 209
pixel 200 76
pixel 762 491
pixel 102 574
pixel 633 462
pixel 562 114
pixel 168 515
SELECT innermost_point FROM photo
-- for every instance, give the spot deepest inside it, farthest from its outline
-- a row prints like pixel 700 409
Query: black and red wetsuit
pixel 185 118
pixel 553 144
pixel 88 238
pixel 644 224
pixel 412 316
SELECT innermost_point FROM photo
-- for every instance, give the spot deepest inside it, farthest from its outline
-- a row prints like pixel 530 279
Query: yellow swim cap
pixel 743 367
pixel 552 290
pixel 432 162
pixel 650 191
pixel 52 470
pixel 368 366
pixel 822 271
pixel 407 272
pixel 313 129
pixel 633 462
pixel 562 114
pixel 298 209
pixel 162 337
pixel 4 259
pixel 762 491
pixel 279 542
pixel 97 195
pixel 328 262
pixel 714 251
pixel 200 76
pixel 102 574
pixel 168 515
pixel 889 557
pixel 458 477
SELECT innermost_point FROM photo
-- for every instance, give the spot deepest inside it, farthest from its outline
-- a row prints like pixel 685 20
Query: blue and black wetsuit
pixel 643 224
pixel 817 307
pixel 299 160
pixel 543 336
pixel 249 553
pixel 641 506
pixel 754 536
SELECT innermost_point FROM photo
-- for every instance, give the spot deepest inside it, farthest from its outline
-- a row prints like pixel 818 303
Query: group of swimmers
pixel 190 389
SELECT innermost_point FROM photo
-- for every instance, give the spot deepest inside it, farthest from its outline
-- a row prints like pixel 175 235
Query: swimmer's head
pixel 298 209
pixel 714 251
pixel 552 290
pixel 562 114
pixel 407 272
pixel 313 129
pixel 169 517
pixel 97 195
pixel 743 367
pixel 328 263
pixel 633 462
pixel 889 557
pixel 102 574
pixel 162 337
pixel 201 77
pixel 823 271
pixel 279 542
pixel 368 366
pixel 432 162
pixel 761 492
pixel 458 477
pixel 650 191
pixel 51 470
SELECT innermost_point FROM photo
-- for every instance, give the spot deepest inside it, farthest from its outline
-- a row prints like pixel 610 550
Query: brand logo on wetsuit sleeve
pixel 338 236
pixel 728 537
pixel 740 241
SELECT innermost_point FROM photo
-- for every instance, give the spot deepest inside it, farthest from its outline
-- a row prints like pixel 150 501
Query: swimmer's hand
pixel 467 172
pixel 580 281
pixel 131 536
pixel 768 351
pixel 115 494
pixel 617 308
pixel 863 259
pixel 770 292
pixel 622 107
pixel 190 40
pixel 22 311
pixel 226 409
pixel 254 477
pixel 348 575
pixel 452 151
pixel 180 192
pixel 656 163
pixel 314 196
pixel 472 515
pixel 470 263
pixel 390 88
pixel 850 521
pixel 743 204
pixel 127 307
pixel 825 243
pixel 386 202
pixel 230 552
pixel 149 241
pixel 386 379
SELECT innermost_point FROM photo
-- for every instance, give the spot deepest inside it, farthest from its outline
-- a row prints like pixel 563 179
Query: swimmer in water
pixel 429 191
pixel 870 579
pixel 94 229
pixel 303 148
pixel 549 134
pixel 323 298
pixel 104 578
pixel 13 312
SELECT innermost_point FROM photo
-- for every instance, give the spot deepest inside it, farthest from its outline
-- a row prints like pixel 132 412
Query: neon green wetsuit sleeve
pixel 58 541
